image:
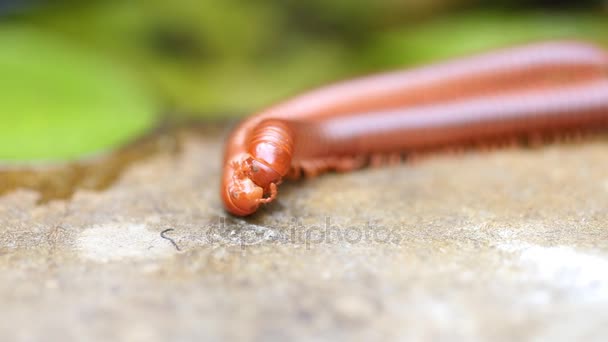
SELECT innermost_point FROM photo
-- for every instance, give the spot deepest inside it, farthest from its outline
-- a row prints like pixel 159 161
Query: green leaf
pixel 59 102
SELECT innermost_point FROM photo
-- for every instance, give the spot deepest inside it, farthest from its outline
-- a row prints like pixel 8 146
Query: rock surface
pixel 506 245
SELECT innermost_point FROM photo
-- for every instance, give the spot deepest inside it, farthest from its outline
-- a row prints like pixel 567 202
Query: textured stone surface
pixel 505 245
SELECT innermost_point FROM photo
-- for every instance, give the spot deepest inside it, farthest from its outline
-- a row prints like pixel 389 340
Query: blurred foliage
pixel 225 56
pixel 479 31
pixel 58 102
pixel 215 58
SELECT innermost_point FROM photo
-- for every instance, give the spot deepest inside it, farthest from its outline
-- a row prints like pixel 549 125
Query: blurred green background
pixel 78 77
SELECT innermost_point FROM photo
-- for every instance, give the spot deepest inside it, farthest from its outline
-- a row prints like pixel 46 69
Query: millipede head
pixel 240 194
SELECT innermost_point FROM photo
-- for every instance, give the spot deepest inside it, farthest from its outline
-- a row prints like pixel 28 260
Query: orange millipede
pixel 536 90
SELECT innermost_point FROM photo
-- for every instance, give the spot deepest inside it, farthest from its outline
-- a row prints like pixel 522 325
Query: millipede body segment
pixel 527 92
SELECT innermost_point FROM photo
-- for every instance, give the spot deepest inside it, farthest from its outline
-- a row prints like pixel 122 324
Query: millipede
pixel 518 94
